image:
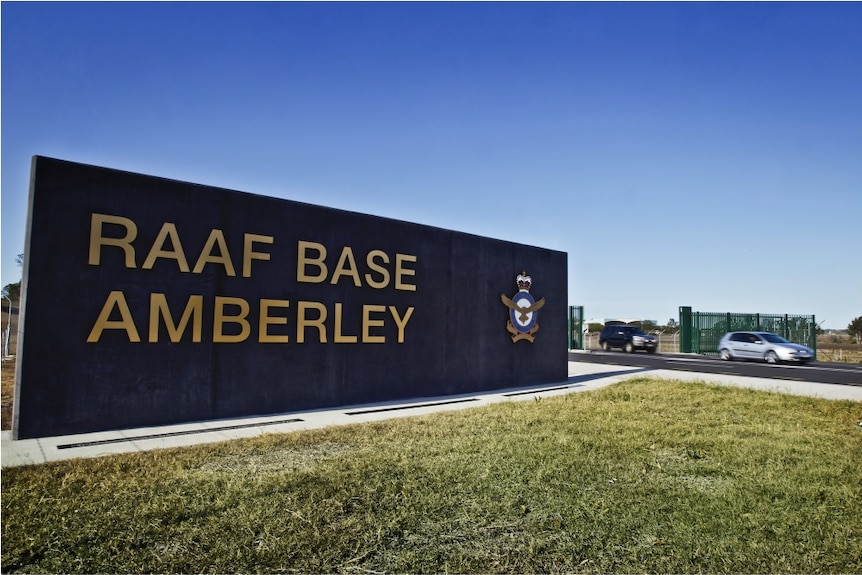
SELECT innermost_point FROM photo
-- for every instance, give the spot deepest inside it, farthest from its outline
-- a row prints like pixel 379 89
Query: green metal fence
pixel 576 327
pixel 701 331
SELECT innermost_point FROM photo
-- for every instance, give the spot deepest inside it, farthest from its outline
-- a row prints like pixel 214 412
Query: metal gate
pixel 700 332
pixel 576 327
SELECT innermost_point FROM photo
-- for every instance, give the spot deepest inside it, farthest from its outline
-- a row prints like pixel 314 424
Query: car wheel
pixel 771 357
pixel 606 346
pixel 725 355
pixel 629 347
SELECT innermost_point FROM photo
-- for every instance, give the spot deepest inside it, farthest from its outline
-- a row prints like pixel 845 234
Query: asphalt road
pixel 818 372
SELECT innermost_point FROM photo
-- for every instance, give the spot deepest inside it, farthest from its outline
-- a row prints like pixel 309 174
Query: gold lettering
pixel 346 257
pixel 384 273
pixel 207 257
pixel 338 337
pixel 368 323
pixel 401 322
pixel 302 321
pixel 249 254
pixel 116 299
pixel 266 320
pixel 157 251
pixel 193 310
pixel 125 242
pixel 401 271
pixel 303 260
pixel 220 319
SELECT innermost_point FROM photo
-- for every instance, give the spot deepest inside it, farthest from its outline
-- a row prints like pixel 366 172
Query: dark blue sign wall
pixel 150 301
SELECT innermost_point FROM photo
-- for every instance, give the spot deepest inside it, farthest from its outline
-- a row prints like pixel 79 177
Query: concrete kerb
pixel 582 377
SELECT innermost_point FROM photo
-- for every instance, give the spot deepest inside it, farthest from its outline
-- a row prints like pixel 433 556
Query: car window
pixel 753 338
pixel 623 330
pixel 739 337
pixel 772 338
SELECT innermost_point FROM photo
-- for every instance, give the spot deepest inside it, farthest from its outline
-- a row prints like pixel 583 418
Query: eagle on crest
pixel 523 311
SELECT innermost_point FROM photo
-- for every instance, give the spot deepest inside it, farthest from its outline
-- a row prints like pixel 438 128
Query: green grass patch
pixel 642 476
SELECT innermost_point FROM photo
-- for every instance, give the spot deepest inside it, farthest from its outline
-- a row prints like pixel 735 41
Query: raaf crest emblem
pixel 523 310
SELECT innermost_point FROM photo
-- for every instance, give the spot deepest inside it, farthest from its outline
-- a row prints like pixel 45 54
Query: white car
pixel 762 346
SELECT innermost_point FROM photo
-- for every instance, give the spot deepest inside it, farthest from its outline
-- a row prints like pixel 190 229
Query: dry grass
pixel 838 347
pixel 7 372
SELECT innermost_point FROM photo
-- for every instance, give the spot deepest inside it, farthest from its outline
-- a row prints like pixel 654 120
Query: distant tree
pixel 13 291
pixel 595 327
pixel 671 327
pixel 854 328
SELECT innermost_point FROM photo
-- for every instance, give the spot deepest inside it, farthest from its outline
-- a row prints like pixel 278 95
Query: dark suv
pixel 627 337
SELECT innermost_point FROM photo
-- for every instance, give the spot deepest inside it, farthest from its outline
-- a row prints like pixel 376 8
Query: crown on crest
pixel 524 281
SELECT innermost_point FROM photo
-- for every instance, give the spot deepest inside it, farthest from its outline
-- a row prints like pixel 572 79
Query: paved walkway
pixel 582 377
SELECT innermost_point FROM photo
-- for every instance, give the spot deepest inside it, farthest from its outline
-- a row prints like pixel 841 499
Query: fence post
pixel 576 325
pixel 696 330
pixel 8 337
pixel 813 337
pixel 581 326
pixel 685 329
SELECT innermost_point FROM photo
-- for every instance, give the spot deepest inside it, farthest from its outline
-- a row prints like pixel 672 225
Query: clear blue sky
pixel 694 154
